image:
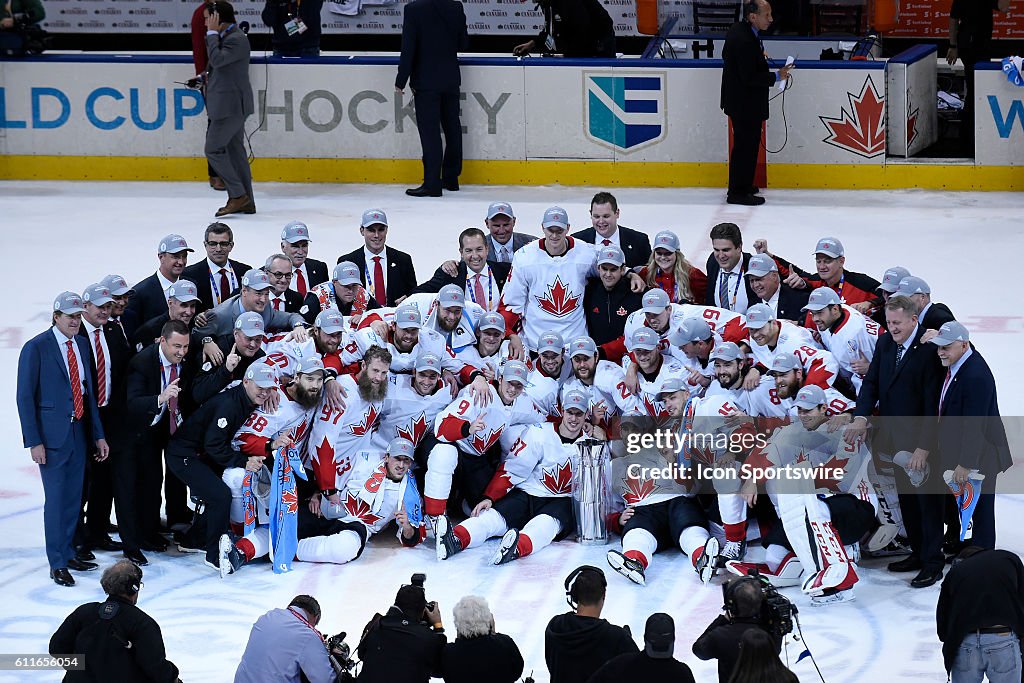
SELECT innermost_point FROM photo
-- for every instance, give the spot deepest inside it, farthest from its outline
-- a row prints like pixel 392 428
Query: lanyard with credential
pixel 735 290
pixel 472 292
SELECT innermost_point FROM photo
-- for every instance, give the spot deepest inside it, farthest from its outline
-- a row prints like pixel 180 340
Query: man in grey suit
pixel 503 242
pixel 228 103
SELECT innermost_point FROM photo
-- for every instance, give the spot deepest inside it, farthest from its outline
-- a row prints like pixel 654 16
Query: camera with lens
pixel 419 580
pixel 341 657
pixel 777 611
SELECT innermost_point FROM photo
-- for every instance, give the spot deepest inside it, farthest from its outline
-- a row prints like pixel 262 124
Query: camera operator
pixel 284 645
pixel 118 640
pixel 296 25
pixel 744 601
pixel 19 22
pixel 405 644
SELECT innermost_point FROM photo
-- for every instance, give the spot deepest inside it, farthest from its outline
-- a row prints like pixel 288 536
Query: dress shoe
pixel 80 566
pixel 450 185
pixel 108 544
pixel 217 184
pixel 907 564
pixel 926 577
pixel 83 554
pixel 754 189
pixel 243 204
pixel 745 199
pixel 157 544
pixel 62 577
pixel 136 557
pixel 421 191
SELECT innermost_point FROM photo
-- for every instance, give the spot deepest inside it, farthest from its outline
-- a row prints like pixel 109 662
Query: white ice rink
pixel 59 236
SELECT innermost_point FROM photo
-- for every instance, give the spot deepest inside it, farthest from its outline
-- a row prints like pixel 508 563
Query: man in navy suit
pixel 150 297
pixel 726 267
pixel 217 276
pixel 481 278
pixel 605 231
pixel 764 280
pixel 503 242
pixel 59 421
pixel 932 315
pixel 433 32
pixel 970 433
pixel 387 273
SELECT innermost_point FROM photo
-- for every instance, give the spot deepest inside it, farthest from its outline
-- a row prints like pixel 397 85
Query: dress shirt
pixel 736 285
pixel 219 296
pixel 164 282
pixel 496 248
pixel 63 342
pixel 952 373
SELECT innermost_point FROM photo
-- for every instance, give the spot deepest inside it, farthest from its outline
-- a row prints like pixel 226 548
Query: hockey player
pixel 770 337
pixel 660 511
pixel 529 500
pixel 446 313
pixel 491 349
pixel 847 334
pixel 602 380
pixel 549 372
pixel 344 293
pixel 789 377
pixel 653 369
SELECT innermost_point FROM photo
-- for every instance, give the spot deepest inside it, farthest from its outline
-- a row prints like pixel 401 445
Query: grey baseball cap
pixel 451 296
pixel 611 254
pixel 911 285
pixel 951 332
pixel 690 330
pixel 643 338
pixel 829 246
pixel 330 321
pixel 515 371
pixel 68 303
pixel 555 217
pixel 373 217
pixel 550 341
pixel 810 396
pixel 97 295
pixel 428 361
pixel 760 265
pixel 183 290
pixel 758 316
pixel 117 285
pixel 784 362
pixel 891 278
pixel 500 209
pixel 726 351
pixel 296 231
pixel 310 364
pixel 401 448
pixel 492 321
pixel 251 324
pixel 407 316
pixel 822 297
pixel 666 239
pixel 173 244
pixel 654 301
pixel 262 374
pixel 673 384
pixel 575 399
pixel 582 346
pixel 256 279
pixel 346 273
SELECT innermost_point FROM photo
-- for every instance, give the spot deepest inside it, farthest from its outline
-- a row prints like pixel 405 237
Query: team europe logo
pixel 624 112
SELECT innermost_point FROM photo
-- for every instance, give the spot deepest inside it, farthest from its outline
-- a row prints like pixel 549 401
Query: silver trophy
pixel 591 493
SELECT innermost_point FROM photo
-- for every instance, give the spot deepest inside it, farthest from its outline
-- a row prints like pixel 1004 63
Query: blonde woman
pixel 669 270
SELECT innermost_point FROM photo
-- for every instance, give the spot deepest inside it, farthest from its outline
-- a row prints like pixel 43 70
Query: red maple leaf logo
pixel 861 130
pixel 652 407
pixel 637 491
pixel 558 300
pixel 324 452
pixel 289 502
pixel 415 429
pixel 558 480
pixel 360 510
pixel 912 114
pixel 818 374
pixel 705 454
pixel 368 424
pixel 481 444
pixel 830 483
pixel 734 331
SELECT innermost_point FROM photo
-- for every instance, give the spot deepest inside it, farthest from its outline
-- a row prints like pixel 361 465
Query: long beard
pixel 306 398
pixel 370 392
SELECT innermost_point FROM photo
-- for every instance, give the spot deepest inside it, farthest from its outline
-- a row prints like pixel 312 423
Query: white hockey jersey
pixel 371 498
pixel 464 333
pixel 647 402
pixel 820 366
pixel 545 390
pixel 470 355
pixel 539 463
pixel 636 480
pixel 609 389
pixel 450 423
pixel 855 334
pixel 262 427
pixel 340 436
pixel 407 414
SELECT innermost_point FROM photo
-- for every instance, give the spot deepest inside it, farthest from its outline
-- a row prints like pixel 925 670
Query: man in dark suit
pixel 150 297
pixel 228 103
pixel 217 277
pixel 480 278
pixel 279 269
pixel 746 80
pixel 786 302
pixel 433 32
pixel 253 296
pixel 605 230
pixel 503 241
pixel 575 28
pixel 387 273
pixel 903 381
pixel 970 434
pixel 932 315
pixel 727 288
pixel 158 400
pixel 182 300
pixel 308 271
pixel 59 425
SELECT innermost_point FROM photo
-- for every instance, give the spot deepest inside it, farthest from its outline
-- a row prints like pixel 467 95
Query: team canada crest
pixel 636 490
pixel 414 429
pixel 558 300
pixel 357 508
pixel 860 130
pixel 368 424
pixel 483 443
pixel 558 479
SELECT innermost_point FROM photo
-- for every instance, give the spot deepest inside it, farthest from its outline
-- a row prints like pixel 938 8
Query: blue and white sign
pixel 626 112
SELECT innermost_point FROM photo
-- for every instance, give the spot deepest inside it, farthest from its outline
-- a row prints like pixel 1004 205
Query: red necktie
pixel 479 289
pixel 945 385
pixel 76 382
pixel 606 242
pixel 277 304
pixel 378 282
pixel 172 403
pixel 225 286
pixel 300 283
pixel 101 371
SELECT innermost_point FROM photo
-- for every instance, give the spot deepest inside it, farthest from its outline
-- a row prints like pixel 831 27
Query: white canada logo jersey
pixel 339 436
pixel 820 366
pixel 854 337
pixel 634 484
pixel 647 402
pixel 608 389
pixel 262 426
pixel 539 463
pixel 559 301
pixel 497 417
pixel 407 414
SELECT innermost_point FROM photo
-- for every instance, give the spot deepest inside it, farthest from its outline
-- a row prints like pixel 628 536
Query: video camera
pixel 340 655
pixel 777 611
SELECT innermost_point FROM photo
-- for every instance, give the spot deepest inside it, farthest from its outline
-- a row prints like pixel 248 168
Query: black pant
pixel 211 489
pixel 746 142
pixel 922 516
pixel 437 112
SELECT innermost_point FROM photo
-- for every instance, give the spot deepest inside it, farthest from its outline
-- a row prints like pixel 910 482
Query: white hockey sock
pixel 490 523
pixel 337 548
pixel 259 543
pixel 437 482
pixel 541 530
pixel 639 544
pixel 733 510
pixel 232 478
pixel 691 540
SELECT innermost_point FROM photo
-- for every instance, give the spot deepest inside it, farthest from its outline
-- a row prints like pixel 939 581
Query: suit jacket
pixel 500 271
pixel 907 396
pixel 433 32
pixel 199 274
pixel 519 240
pixel 228 92
pixel 746 77
pixel 970 431
pixel 791 301
pixel 45 403
pixel 713 270
pixel 937 316
pixel 221 320
pixel 401 276
pixel 317 272
pixel 635 244
pixel 292 301
pixel 119 354
pixel 143 386
pixel 147 301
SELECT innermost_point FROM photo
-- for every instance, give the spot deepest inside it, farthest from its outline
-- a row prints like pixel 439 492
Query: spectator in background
pixel 605 231
pixel 575 28
pixel 201 60
pixel 654 664
pixel 15 17
pixel 296 25
pixel 478 653
pixel 759 661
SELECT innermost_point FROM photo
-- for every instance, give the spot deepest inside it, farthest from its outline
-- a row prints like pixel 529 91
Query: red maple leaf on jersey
pixel 415 429
pixel 558 300
pixel 818 374
pixel 289 502
pixel 558 480
pixel 324 452
pixel 651 406
pixel 301 431
pixel 734 331
pixel 368 424
pixel 705 454
pixel 481 444
pixel 356 507
pixel 830 483
pixel 862 129
pixel 636 490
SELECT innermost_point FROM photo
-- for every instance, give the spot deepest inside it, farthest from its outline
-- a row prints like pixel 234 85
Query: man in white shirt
pixel 295 245
pixel 216 276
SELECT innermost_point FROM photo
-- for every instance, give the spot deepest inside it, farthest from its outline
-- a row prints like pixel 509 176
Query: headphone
pixel 729 592
pixel 570 582
pixel 136 585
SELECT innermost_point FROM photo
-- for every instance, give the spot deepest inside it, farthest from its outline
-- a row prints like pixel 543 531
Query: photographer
pixel 284 645
pixel 118 640
pixel 296 25
pixel 744 599
pixel 479 653
pixel 19 27
pixel 406 643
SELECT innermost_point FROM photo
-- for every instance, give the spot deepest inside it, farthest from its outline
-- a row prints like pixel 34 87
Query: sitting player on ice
pixel 819 486
pixel 529 500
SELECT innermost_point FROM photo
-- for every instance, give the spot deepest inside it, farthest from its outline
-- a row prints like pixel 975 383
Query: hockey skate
pixel 708 563
pixel 508 549
pixel 786 575
pixel 231 558
pixel 896 547
pixel 446 543
pixel 733 550
pixel 882 537
pixel 839 576
pixel 631 569
pixel 833 597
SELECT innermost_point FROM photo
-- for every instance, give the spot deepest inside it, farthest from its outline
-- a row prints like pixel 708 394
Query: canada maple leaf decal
pixel 862 129
pixel 912 114
pixel 558 479
pixel 558 300
pixel 830 483
pixel 482 443
pixel 415 429
pixel 819 374
pixel 636 490
pixel 324 452
pixel 368 424
pixel 356 507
